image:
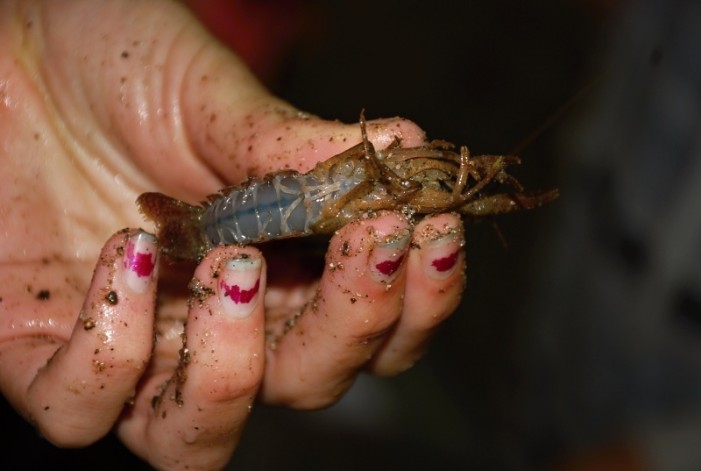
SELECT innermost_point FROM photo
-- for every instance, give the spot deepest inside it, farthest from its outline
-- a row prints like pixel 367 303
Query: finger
pixel 80 387
pixel 274 135
pixel 358 301
pixel 193 417
pixel 230 119
pixel 435 282
pixel 241 136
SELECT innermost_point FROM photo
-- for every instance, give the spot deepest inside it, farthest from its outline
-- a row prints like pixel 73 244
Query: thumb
pixel 240 130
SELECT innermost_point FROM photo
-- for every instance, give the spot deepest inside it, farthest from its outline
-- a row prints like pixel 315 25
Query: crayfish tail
pixel 178 225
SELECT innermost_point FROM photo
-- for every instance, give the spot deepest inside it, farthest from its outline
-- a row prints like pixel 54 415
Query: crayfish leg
pixel 463 172
pixel 367 145
pixel 377 171
pixel 507 202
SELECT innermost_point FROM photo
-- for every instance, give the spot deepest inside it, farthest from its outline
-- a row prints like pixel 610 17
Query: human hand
pixel 101 101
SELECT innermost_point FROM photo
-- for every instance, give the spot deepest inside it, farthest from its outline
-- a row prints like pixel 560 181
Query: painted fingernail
pixel 140 261
pixel 440 256
pixel 239 285
pixel 388 255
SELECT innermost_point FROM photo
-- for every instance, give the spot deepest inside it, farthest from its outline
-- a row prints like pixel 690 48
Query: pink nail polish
pixel 440 256
pixel 445 264
pixel 388 255
pixel 239 285
pixel 140 261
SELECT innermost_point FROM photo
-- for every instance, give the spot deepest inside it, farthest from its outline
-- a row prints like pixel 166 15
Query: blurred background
pixel 578 347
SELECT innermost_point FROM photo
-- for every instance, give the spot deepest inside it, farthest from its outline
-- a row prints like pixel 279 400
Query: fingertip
pixel 81 391
pixel 347 319
pixel 372 247
pixel 322 139
pixel 225 330
pixel 277 136
pixel 119 309
pixel 140 261
pixel 433 224
pixel 236 275
pixel 207 398
pixel 436 274
pixel 366 270
pixel 380 224
pixel 440 240
pixel 434 284
pixel 120 302
pixel 383 132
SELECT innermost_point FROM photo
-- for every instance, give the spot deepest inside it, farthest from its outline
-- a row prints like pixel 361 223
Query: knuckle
pixel 368 324
pixel 312 398
pixel 119 367
pixel 231 387
pixel 67 433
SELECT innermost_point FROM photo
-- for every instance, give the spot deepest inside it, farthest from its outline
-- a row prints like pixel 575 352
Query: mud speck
pixel 158 397
pixel 89 323
pixel 200 292
pixel 180 375
pixel 98 366
pixel 112 298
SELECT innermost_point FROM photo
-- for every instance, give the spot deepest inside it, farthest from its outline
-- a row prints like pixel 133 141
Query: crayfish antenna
pixel 178 225
pixel 500 235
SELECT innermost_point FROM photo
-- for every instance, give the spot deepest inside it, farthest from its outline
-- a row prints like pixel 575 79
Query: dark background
pixel 498 76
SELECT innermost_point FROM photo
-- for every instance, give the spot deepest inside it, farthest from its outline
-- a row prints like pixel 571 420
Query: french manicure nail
pixel 440 256
pixel 388 255
pixel 140 261
pixel 239 284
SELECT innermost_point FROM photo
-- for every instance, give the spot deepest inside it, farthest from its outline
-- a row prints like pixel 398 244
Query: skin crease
pixel 95 112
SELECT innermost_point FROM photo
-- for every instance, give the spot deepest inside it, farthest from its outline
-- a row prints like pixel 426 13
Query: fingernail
pixel 239 284
pixel 440 256
pixel 387 256
pixel 140 261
